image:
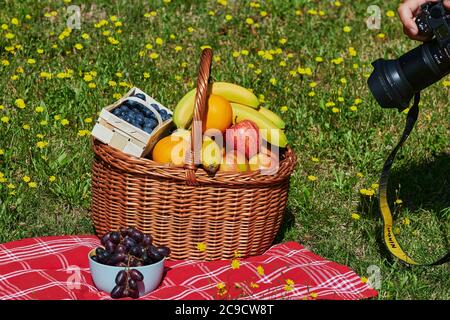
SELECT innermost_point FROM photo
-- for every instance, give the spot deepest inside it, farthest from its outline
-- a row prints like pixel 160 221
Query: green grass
pixel 319 213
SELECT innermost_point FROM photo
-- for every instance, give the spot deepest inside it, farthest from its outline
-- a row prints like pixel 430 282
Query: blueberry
pixel 140 96
pixel 166 117
pixel 163 112
pixel 123 108
pixel 147 112
pixel 148 129
pixel 116 112
pixel 140 119
pixel 150 122
pixel 154 105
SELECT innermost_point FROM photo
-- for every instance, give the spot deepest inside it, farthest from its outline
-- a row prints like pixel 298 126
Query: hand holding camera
pixel 410 9
pixel 393 83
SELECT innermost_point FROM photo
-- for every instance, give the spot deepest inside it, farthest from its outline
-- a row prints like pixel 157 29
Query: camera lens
pixel 393 83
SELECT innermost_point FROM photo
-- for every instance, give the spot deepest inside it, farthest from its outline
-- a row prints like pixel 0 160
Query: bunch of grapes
pixel 138 115
pixel 128 248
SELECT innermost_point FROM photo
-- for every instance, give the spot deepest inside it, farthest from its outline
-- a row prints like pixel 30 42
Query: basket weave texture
pixel 181 207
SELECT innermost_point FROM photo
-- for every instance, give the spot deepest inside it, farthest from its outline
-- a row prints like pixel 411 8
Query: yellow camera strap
pixel 389 237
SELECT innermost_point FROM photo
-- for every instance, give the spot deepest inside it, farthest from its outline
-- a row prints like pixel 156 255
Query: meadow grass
pixel 295 55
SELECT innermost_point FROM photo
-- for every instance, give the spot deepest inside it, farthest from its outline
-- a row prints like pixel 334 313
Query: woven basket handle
pixel 200 106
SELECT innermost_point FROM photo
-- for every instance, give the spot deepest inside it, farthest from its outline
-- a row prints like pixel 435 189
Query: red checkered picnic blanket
pixel 58 268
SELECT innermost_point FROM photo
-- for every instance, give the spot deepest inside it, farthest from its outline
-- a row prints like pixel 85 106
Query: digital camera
pixel 393 83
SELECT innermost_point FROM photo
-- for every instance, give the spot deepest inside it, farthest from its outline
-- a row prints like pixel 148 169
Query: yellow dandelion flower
pixel 5 62
pixel 311 94
pixel 284 109
pixel 398 201
pixel 273 81
pixel 235 264
pixel 312 12
pixel 406 221
pixel 260 270
pixel 31 61
pixel 381 35
pixel 356 216
pixel 146 75
pixel 244 52
pixel 32 184
pixel 159 41
pixel 112 83
pixel 92 85
pixel 154 55
pixel 190 29
pixel 9 36
pixel 88 77
pixel 78 46
pixel 85 36
pixel 337 3
pixel 249 21
pixel 201 246
pixel 397 231
pixel 263 13
pixel 319 59
pixel 178 48
pixel 20 103
pixel 41 144
pixel 390 14
pixel 236 54
pixel 282 41
pixel 347 29
pixel 335 110
pixel 228 17
pixel 4 26
pixel 312 178
pixel 26 179
pixel 26 126
pixel 39 109
pixel 65 122
pixel 353 108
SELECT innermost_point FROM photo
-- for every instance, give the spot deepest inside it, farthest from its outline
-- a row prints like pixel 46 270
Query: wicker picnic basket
pixel 182 206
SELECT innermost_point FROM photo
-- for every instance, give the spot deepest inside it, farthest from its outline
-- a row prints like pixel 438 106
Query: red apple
pixel 244 138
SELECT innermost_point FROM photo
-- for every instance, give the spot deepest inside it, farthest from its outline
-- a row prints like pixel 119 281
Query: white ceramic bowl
pixel 104 276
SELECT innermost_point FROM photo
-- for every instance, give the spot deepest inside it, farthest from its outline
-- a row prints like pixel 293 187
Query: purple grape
pixel 128 242
pixel 110 247
pixel 116 258
pixel 117 292
pixel 163 250
pixel 147 240
pixel 121 278
pixel 132 284
pixel 137 236
pixel 120 248
pixel 114 237
pixel 99 251
pixel 133 294
pixel 154 254
pixel 123 231
pixel 136 275
pixel 121 264
pixel 105 239
pixel 136 251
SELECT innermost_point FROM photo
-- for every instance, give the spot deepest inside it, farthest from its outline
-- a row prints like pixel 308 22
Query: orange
pixel 219 114
pixel 170 150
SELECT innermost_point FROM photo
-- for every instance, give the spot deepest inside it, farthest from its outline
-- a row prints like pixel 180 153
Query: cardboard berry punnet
pixel 126 137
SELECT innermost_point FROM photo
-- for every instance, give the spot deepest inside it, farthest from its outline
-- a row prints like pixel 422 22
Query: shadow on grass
pixel 424 186
pixel 286 225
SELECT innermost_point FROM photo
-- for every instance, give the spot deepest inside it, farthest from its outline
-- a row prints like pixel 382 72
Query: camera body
pixel 393 83
pixel 434 20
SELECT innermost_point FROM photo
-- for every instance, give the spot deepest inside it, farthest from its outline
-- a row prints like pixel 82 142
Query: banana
pixel 234 93
pixel 272 116
pixel 184 111
pixel 211 156
pixel 182 116
pixel 268 130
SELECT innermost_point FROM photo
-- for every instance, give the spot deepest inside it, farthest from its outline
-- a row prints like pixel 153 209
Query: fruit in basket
pixel 211 156
pixel 268 130
pixel 139 251
pixel 234 161
pixel 184 110
pixel 219 114
pixel 244 137
pixel 264 161
pixel 272 116
pixel 171 149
